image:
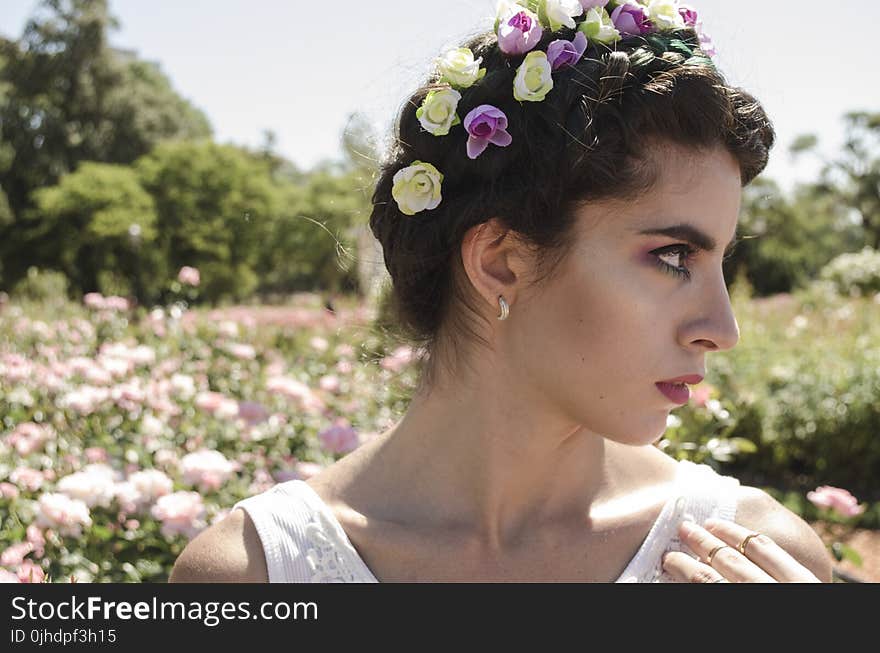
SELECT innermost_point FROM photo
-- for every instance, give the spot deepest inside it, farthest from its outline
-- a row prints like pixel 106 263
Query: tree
pixel 853 177
pixel 786 242
pixel 67 98
pixel 313 241
pixel 216 206
pixel 102 221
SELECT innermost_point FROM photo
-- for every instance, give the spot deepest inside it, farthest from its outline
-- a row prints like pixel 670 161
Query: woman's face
pixel 630 309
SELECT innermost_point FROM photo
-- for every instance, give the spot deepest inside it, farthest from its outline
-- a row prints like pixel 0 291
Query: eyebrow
pixel 691 234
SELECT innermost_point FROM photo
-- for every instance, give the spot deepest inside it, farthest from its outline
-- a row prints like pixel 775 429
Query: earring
pixel 505 309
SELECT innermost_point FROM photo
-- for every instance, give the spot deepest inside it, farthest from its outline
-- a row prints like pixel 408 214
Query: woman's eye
pixel 666 256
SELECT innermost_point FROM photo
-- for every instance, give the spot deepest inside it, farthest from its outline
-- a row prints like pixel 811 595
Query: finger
pixel 734 566
pixel 686 569
pixel 762 550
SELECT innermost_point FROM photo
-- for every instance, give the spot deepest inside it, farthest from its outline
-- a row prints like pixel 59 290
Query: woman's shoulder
pixel 229 551
pixel 760 512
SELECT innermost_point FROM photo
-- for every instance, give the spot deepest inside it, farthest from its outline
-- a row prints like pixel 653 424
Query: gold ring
pixel 714 551
pixel 745 542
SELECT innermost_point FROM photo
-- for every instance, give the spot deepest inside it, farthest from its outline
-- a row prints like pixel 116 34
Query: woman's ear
pixel 494 260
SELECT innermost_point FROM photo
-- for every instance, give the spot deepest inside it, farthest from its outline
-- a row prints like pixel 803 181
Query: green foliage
pixel 67 97
pixel 803 385
pixel 852 178
pixel 786 242
pixel 854 273
pixel 312 243
pixel 40 286
pixel 100 220
pixel 216 204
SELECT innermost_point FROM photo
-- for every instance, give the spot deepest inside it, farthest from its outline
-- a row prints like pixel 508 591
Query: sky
pixel 301 68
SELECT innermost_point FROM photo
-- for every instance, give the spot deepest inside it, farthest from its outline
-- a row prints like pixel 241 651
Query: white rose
pixel 562 12
pixel 417 188
pixel 93 487
pixel 459 68
pixel 152 426
pixel 533 78
pixel 184 386
pixel 437 113
pixel 664 14
pixel 598 26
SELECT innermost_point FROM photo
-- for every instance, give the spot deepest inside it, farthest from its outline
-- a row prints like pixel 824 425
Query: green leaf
pixel 842 551
pixel 678 45
pixel 744 445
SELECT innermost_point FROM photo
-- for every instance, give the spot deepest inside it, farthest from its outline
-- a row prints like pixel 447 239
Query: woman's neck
pixel 489 463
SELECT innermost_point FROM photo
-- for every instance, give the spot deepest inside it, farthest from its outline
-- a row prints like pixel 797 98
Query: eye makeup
pixel 683 251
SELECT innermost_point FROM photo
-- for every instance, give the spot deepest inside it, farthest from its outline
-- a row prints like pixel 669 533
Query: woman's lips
pixel 678 393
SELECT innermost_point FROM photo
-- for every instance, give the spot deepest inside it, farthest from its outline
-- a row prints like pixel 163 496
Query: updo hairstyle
pixel 589 139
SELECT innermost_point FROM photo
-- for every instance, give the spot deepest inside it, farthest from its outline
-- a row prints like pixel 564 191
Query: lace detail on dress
pixel 328 554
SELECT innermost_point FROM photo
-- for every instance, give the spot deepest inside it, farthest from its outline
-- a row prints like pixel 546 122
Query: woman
pixel 554 215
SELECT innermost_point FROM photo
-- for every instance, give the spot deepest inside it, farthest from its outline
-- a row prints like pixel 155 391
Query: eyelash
pixel 681 249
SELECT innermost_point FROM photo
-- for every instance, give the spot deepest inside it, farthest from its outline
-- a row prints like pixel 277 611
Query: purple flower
pixel 519 34
pixel 590 4
pixel 706 43
pixel 485 124
pixel 562 53
pixel 629 18
pixel 689 14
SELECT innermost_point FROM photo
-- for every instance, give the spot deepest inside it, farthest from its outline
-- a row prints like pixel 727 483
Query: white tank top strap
pixel 700 493
pixel 302 540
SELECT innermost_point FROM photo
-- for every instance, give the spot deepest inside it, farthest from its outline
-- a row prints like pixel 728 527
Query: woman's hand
pixel 764 561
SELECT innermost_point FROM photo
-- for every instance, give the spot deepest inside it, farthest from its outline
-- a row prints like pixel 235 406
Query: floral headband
pixel 519 26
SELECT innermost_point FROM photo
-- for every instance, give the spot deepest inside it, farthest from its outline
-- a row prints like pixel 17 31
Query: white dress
pixel 304 542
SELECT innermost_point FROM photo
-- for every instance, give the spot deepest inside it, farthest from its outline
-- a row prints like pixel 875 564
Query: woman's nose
pixel 716 328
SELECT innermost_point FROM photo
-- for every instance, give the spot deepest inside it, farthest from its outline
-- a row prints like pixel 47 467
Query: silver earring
pixel 505 309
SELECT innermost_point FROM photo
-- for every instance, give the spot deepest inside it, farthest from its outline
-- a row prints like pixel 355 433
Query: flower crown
pixel 519 26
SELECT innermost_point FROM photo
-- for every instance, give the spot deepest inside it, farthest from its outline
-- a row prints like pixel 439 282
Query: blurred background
pixel 192 307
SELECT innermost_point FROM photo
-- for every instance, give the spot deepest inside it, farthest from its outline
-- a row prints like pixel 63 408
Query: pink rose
pixel 8 491
pixel 27 478
pixel 8 577
pixel 319 344
pixel 35 537
pixel 241 351
pixel 329 383
pixel 339 438
pixel 28 438
pixel 189 276
pixel 252 412
pixel 398 359
pixel 837 499
pixel 60 512
pixel 96 454
pixel 217 404
pixel 181 513
pixel 207 468
pixel 30 572
pixel 94 300
pixel 14 555
pixel 700 394
pixel 302 470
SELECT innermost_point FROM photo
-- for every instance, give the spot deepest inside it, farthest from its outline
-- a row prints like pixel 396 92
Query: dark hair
pixel 589 139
